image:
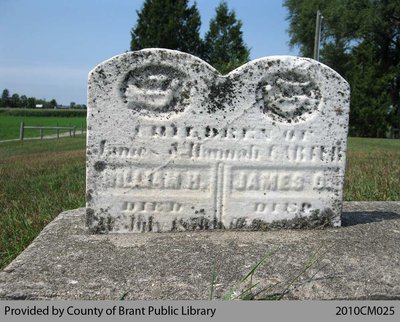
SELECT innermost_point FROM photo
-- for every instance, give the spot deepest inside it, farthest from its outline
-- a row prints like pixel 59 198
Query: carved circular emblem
pixel 158 89
pixel 288 96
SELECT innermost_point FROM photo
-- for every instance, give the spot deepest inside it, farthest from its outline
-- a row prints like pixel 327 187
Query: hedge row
pixel 41 112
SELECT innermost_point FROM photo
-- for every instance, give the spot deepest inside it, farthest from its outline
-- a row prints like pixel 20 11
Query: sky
pixel 48 47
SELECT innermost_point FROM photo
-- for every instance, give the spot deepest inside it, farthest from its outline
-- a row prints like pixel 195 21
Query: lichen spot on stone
pixel 100 166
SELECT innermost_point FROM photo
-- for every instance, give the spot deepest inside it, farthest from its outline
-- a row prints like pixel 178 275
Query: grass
pixel 248 290
pixel 9 125
pixel 372 170
pixel 40 179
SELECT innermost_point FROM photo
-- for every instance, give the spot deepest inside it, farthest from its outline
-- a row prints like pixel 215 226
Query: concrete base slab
pixel 360 260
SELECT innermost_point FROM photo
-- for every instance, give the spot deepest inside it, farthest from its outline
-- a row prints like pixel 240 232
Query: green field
pixel 372 169
pixel 40 179
pixel 9 125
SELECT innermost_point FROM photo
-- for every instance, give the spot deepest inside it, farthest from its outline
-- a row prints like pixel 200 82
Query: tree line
pixel 361 40
pixel 22 101
pixel 17 101
pixel 173 24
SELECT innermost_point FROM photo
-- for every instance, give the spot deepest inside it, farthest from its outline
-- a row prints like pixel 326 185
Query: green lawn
pixel 373 169
pixel 9 125
pixel 40 179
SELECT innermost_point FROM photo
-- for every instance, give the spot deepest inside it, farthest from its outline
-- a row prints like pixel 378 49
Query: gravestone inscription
pixel 173 145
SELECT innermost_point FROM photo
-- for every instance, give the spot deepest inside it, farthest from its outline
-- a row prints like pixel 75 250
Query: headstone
pixel 174 146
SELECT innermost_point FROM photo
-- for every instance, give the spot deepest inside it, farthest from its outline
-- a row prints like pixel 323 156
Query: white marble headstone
pixel 173 145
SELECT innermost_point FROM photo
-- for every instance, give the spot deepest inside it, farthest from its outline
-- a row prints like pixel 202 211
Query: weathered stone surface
pixel 175 146
pixel 360 260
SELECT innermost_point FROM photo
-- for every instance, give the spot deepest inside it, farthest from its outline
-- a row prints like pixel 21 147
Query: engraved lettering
pixel 151 207
pixel 284 182
pixel 194 181
pixel 319 181
pixel 250 180
pixel 184 148
pixel 269 181
pixel 298 183
pixel 239 182
pixel 274 208
pixel 160 179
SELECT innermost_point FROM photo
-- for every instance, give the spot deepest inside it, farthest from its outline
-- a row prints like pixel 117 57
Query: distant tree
pixel 52 103
pixel 80 106
pixel 23 101
pixel 168 24
pixel 361 40
pixel 15 101
pixel 72 105
pixel 5 98
pixel 31 102
pixel 224 47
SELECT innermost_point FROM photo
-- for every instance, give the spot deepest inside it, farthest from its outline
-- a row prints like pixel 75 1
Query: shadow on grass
pixel 366 217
